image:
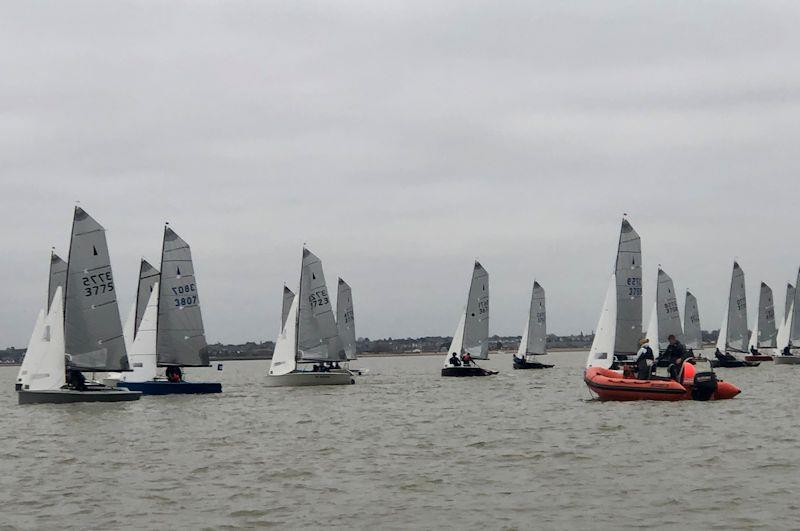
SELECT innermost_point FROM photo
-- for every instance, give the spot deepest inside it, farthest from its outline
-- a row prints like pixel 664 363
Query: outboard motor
pixel 705 381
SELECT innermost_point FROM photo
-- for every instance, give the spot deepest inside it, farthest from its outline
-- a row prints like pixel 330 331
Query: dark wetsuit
pixel 642 367
pixel 454 361
pixel 76 379
pixel 676 351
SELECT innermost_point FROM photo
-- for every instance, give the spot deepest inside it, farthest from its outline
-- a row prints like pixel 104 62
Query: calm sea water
pixel 403 449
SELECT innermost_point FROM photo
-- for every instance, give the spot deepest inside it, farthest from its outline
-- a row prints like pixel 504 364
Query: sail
pixel 782 340
pixel 669 318
pixel 345 319
pixel 794 326
pixel 33 352
pixel 58 276
pixel 44 362
pixel 283 358
pixel 789 300
pixel 723 332
pixel 288 297
pixel 537 323
pixel 458 340
pixel 602 352
pixel 476 324
pixel 92 327
pixel 628 273
pixel 737 333
pixel 142 350
pixel 765 330
pixel 181 337
pixel 653 328
pixel 317 336
pixel 148 278
pixel 691 324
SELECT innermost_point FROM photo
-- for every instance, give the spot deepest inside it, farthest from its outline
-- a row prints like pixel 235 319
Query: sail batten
pixel 92 327
pixel 180 333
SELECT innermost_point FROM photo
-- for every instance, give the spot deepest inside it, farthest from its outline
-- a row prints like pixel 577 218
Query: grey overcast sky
pixel 401 140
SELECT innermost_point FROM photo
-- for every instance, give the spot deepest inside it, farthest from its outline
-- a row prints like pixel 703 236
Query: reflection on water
pixel 405 448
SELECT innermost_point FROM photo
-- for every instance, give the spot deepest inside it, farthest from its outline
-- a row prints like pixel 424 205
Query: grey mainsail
pixel 629 291
pixel 148 276
pixel 737 336
pixel 767 332
pixel 537 323
pixel 794 329
pixel 692 333
pixel 58 276
pixel 345 319
pixel 93 331
pixel 669 318
pixel 476 325
pixel 288 297
pixel 317 336
pixel 789 300
pixel 181 338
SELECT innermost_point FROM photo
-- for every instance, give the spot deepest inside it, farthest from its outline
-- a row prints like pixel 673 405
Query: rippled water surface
pixel 405 448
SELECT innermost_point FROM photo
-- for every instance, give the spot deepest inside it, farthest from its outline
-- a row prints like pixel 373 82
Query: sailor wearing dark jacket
pixel 676 354
pixel 644 355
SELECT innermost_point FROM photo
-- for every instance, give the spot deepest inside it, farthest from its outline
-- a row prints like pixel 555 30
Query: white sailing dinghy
pixel 346 324
pixel 788 339
pixel 765 334
pixel 168 328
pixel 733 333
pixel 309 336
pixel 692 333
pixel 534 339
pixel 472 334
pixel 620 326
pixel 81 331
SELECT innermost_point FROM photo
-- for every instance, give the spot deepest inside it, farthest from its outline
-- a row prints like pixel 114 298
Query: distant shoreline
pixel 398 354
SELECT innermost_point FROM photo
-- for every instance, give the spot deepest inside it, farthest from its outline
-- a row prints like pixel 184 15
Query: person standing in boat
pixel 676 354
pixel 643 360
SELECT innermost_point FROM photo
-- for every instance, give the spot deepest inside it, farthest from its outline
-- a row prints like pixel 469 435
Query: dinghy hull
pixel 786 360
pixel 160 387
pixel 733 364
pixel 531 365
pixel 305 378
pixel 758 358
pixel 67 396
pixel 609 385
pixel 466 371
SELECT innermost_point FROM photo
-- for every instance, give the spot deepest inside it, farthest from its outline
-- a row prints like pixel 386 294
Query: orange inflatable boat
pixel 612 386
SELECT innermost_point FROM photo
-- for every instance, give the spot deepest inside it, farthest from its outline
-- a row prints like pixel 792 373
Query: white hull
pixel 302 378
pixel 786 360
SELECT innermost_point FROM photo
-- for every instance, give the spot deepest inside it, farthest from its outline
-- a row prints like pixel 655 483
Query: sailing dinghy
pixel 81 331
pixel 692 333
pixel 764 335
pixel 471 340
pixel 168 325
pixel 309 336
pixel 733 333
pixel 534 339
pixel 788 339
pixel 346 324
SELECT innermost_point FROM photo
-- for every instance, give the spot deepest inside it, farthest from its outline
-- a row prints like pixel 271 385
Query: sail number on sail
pixel 540 317
pixel 634 286
pixel 99 283
pixel 186 290
pixel 671 306
pixel 318 298
pixel 348 316
pixel 741 304
pixel 483 306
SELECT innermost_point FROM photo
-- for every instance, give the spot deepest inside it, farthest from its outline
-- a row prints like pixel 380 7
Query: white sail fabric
pixel 46 370
pixel 692 332
pixel 181 338
pixel 33 352
pixel 602 352
pixel 790 290
pixel 456 345
pixel 129 327
pixel 737 333
pixel 723 333
pixel 794 323
pixel 142 351
pixel 345 319
pixel 94 338
pixel 317 335
pixel 283 358
pixel 148 278
pixel 536 341
pixel 288 298
pixel 628 273
pixel 765 331
pixel 476 324
pixel 58 276
pixel 669 318
pixel 653 330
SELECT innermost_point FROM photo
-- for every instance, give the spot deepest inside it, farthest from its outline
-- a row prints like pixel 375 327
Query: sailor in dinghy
pixel 764 335
pixel 788 339
pixel 471 340
pixel 733 333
